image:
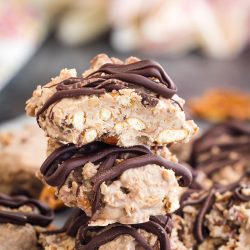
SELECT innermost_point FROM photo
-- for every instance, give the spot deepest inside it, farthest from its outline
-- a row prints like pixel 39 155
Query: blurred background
pixel 202 44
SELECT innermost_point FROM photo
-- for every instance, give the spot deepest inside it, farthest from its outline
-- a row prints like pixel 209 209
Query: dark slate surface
pixel 192 73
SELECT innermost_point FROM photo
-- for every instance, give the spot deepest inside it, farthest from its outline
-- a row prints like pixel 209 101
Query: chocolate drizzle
pixel 62 161
pixel 142 74
pixel 238 143
pixel 199 228
pixel 206 200
pixel 68 94
pixel 158 226
pixel 42 217
pixel 239 195
pixel 77 225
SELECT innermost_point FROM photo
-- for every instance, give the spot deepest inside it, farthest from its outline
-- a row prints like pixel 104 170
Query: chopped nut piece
pixel 90 135
pixel 49 197
pixel 168 136
pixel 136 124
pixel 105 114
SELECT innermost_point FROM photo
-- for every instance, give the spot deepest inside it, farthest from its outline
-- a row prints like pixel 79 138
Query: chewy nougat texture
pixel 132 198
pixel 117 117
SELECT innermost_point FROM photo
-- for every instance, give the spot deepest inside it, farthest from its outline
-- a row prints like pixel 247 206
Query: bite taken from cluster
pixel 127 103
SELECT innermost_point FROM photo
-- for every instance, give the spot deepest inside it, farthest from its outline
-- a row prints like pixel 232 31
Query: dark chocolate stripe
pixel 234 128
pixel 213 168
pixel 117 76
pixel 165 221
pixel 137 162
pixel 156 229
pixel 43 219
pixel 240 196
pixel 106 165
pixel 207 200
pixel 216 162
pixel 225 146
pixel 59 155
pixel 142 81
pixel 58 177
pixel 60 174
pixel 199 228
pixel 186 202
pixel 145 68
pixel 110 235
pixel 68 94
pixel 156 226
pixel 209 139
pixel 12 218
pixel 141 161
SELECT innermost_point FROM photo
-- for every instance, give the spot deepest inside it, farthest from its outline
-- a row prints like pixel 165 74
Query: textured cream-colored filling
pixel 119 116
pixel 149 190
pixel 228 227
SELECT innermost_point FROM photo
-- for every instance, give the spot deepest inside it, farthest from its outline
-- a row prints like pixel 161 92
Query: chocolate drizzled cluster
pixel 68 157
pixel 41 215
pixel 90 238
pixel 237 141
pixel 205 200
pixel 145 74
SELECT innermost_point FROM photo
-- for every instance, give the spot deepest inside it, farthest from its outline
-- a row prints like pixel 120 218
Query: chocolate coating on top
pixel 207 200
pixel 42 217
pixel 67 158
pixel 209 140
pixel 109 77
pixel 158 226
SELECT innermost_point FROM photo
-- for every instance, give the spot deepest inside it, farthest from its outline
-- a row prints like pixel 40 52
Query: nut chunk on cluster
pixel 124 103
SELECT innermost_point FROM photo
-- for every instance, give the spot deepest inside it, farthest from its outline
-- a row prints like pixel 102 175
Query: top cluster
pixel 125 103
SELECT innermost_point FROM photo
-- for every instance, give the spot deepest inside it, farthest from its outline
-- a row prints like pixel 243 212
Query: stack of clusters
pixel 108 135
